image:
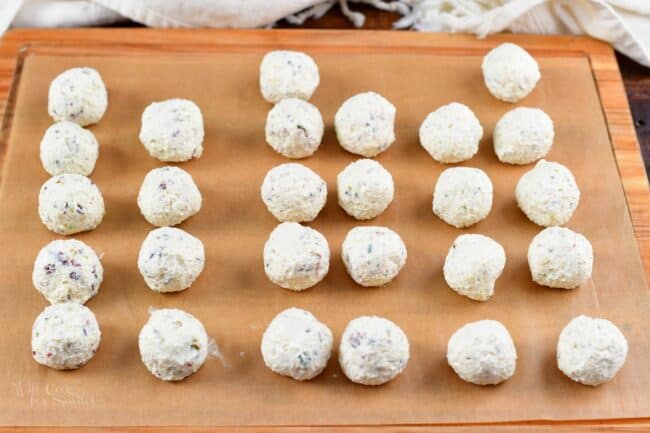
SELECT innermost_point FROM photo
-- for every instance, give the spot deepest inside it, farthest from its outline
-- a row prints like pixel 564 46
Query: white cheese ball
pixel 296 257
pixel 591 351
pixel 451 133
pixel 293 192
pixel 173 344
pixel 373 350
pixel 288 74
pixel 482 353
pixel 373 256
pixel 172 130
pixel 462 196
pixel 509 72
pixel 294 128
pixel 523 135
pixel 297 344
pixel 365 124
pixel 70 203
pixel 170 259
pixel 68 148
pixel 472 266
pixel 65 336
pixel 365 189
pixel 168 196
pixel 67 271
pixel 78 95
pixel 548 194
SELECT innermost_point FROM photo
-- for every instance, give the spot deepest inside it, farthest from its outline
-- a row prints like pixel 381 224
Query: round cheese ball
pixel 293 192
pixel 365 124
pixel 365 189
pixel 294 128
pixel 509 72
pixel 168 196
pixel 297 345
pixel 170 259
pixel 78 95
pixel 67 271
pixel 65 336
pixel 548 194
pixel 451 133
pixel 373 350
pixel 591 351
pixel 472 266
pixel 288 74
pixel 373 256
pixel 296 257
pixel 482 353
pixel 172 130
pixel 70 203
pixel 523 135
pixel 173 344
pixel 68 148
pixel 462 196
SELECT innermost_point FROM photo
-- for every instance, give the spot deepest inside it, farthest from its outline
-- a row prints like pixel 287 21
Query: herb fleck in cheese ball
pixel 294 128
pixel 548 194
pixel 462 196
pixel 509 72
pixel 482 353
pixel 373 256
pixel 172 130
pixel 373 350
pixel 288 74
pixel 68 148
pixel 472 266
pixel 78 95
pixel 451 133
pixel 173 344
pixel 70 203
pixel 365 189
pixel 65 336
pixel 297 345
pixel 168 196
pixel 591 351
pixel 293 192
pixel 365 124
pixel 67 271
pixel 170 259
pixel 523 135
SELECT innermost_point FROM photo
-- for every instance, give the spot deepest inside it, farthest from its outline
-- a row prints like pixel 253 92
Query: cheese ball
pixel 373 350
pixel 509 72
pixel 523 135
pixel 168 196
pixel 373 256
pixel 591 351
pixel 68 148
pixel 70 203
pixel 293 192
pixel 365 189
pixel 294 128
pixel 462 196
pixel 451 133
pixel 67 271
pixel 288 74
pixel 472 266
pixel 170 259
pixel 297 345
pixel 65 336
pixel 365 124
pixel 548 194
pixel 482 353
pixel 296 257
pixel 78 95
pixel 172 130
